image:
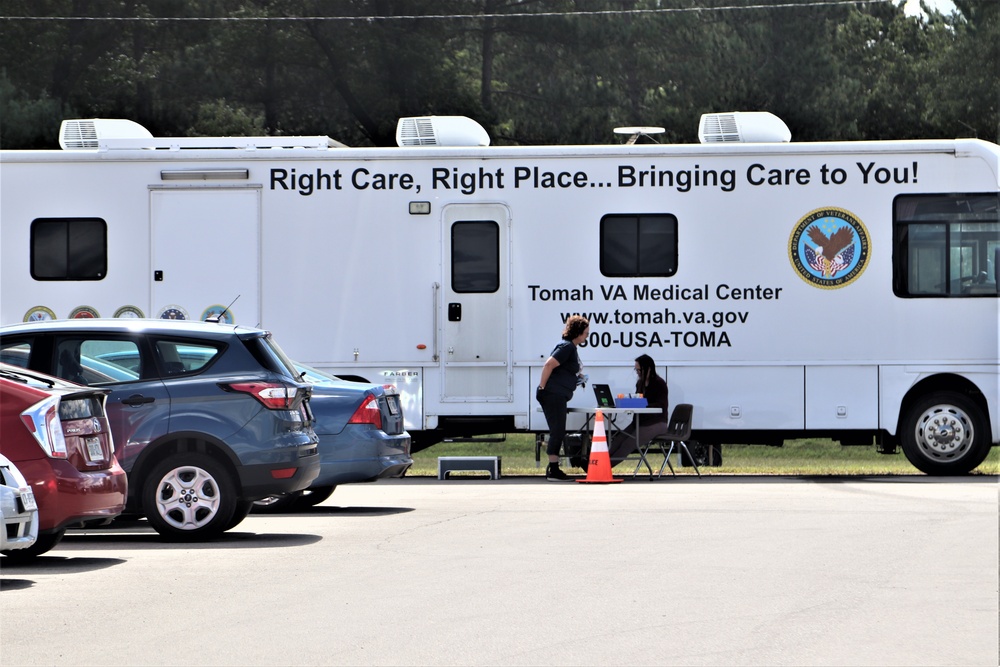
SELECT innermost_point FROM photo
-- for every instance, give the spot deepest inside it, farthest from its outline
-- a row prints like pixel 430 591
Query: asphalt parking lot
pixel 717 571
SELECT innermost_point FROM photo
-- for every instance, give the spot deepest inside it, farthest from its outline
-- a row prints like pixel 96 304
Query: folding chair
pixel 677 435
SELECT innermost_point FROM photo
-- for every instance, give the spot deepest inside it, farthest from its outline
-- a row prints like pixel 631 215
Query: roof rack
pixel 242 143
pixel 104 134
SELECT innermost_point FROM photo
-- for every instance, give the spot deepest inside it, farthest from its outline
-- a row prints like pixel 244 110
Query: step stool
pixel 447 464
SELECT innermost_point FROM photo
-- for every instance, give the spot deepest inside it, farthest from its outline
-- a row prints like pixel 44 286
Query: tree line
pixel 530 71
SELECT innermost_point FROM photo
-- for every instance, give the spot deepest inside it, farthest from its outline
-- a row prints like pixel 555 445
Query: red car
pixel 57 434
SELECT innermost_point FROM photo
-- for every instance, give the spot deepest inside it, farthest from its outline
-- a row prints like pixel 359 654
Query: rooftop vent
pixel 440 131
pixel 84 134
pixel 746 127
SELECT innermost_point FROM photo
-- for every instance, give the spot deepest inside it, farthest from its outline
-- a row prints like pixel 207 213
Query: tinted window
pixel 269 355
pixel 80 408
pixel 475 256
pixel 946 245
pixel 638 245
pixel 97 361
pixel 178 357
pixel 69 249
pixel 15 354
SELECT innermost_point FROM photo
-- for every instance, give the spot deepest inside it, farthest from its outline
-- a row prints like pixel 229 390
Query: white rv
pixel 843 290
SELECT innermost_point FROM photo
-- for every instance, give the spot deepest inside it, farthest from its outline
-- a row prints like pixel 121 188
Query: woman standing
pixel 654 389
pixel 560 377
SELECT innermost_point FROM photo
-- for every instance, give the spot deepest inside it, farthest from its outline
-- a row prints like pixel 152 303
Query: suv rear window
pixel 179 357
pixel 270 355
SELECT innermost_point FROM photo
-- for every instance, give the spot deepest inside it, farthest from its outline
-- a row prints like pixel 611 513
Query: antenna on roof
pixel 217 318
pixel 637 132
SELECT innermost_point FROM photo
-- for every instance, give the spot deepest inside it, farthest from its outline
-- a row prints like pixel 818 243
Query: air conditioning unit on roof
pixel 440 131
pixel 86 133
pixel 745 127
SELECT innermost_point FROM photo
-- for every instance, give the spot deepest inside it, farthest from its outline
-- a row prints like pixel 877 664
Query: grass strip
pixel 797 457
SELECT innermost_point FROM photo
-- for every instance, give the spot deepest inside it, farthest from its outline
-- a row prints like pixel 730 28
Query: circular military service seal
pixel 218 313
pixel 173 313
pixel 129 312
pixel 829 248
pixel 39 313
pixel 83 313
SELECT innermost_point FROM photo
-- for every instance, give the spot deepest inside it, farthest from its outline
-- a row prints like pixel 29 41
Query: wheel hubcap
pixel 188 498
pixel 944 432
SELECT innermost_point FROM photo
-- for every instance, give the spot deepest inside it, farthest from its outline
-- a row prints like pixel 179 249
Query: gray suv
pixel 200 442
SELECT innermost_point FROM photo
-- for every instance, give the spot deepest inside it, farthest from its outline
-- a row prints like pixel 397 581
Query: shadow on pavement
pixel 54 562
pixel 113 537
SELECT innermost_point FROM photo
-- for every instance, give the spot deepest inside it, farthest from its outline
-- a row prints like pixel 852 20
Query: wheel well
pixel 153 454
pixel 943 382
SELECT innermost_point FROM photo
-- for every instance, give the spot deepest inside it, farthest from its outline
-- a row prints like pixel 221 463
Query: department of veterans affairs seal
pixel 829 248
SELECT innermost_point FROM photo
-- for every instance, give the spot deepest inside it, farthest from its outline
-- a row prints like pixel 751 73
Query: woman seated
pixel 654 389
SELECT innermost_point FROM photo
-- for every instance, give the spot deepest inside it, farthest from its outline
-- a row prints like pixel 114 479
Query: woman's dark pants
pixel 554 408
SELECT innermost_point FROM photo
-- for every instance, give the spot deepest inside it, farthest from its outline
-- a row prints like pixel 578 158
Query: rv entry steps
pixel 449 464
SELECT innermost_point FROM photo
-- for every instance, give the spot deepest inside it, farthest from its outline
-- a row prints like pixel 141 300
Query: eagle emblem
pixel 832 253
pixel 829 248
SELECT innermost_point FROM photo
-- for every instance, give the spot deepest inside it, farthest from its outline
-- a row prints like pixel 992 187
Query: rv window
pixel 69 249
pixel 475 256
pixel 638 245
pixel 946 245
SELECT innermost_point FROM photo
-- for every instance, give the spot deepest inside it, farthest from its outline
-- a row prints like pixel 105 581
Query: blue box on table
pixel 631 403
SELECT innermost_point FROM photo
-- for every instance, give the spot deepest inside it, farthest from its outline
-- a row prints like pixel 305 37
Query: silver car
pixel 18 508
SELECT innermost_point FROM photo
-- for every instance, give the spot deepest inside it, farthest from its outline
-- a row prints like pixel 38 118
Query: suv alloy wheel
pixel 189 496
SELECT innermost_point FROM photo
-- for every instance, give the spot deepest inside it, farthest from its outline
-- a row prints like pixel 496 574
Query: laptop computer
pixel 605 399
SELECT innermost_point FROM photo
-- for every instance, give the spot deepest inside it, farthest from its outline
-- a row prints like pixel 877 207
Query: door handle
pixel 135 400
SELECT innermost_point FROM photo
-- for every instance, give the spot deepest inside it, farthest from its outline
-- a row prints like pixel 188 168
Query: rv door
pixel 475 320
pixel 205 254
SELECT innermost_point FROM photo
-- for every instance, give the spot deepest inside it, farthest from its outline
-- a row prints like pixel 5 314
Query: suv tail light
pixel 272 395
pixel 42 419
pixel 367 413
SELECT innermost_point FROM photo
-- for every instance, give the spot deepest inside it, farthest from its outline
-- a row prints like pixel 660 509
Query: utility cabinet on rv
pixel 843 290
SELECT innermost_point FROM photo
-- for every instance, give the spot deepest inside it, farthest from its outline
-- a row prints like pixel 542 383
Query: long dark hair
pixel 647 371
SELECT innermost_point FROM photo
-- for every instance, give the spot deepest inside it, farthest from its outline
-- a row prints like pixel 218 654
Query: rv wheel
pixel 945 433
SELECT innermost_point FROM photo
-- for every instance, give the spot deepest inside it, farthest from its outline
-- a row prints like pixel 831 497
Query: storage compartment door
pixel 206 253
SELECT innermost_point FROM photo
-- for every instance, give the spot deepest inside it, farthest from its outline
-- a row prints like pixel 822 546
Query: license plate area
pixel 393 403
pixel 28 500
pixel 94 450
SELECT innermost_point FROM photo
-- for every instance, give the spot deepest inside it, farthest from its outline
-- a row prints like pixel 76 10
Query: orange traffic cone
pixel 599 469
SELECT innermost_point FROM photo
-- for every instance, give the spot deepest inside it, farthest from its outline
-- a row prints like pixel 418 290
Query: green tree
pixel 532 71
pixel 965 96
